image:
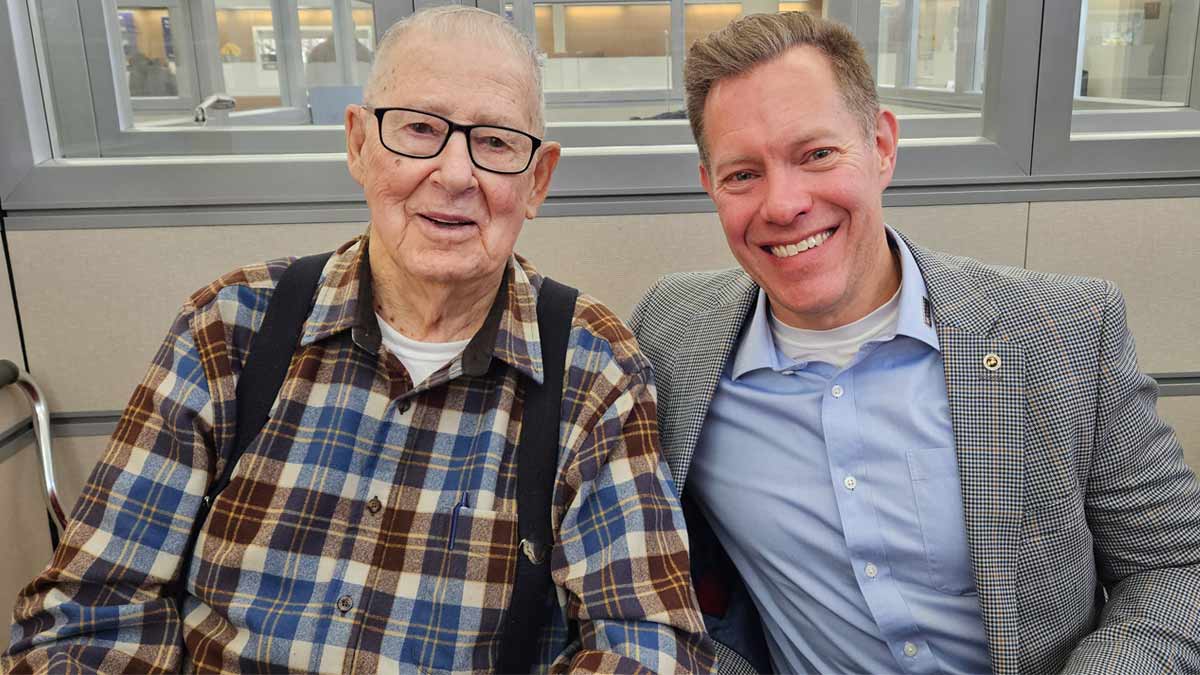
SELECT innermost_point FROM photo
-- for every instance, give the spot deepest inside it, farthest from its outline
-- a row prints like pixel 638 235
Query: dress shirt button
pixel 374 505
pixel 838 391
pixel 910 650
pixel 871 570
pixel 345 604
pixel 850 482
pixel 403 406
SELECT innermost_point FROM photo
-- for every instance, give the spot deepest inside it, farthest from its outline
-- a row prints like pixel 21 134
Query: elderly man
pixel 377 522
pixel 892 459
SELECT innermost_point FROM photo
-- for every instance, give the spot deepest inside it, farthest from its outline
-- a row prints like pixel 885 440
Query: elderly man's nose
pixel 455 172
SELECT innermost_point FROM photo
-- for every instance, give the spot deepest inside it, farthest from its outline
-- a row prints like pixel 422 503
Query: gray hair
pixel 459 20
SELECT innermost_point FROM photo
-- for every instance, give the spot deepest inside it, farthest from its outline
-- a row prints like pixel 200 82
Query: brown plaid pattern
pixel 372 524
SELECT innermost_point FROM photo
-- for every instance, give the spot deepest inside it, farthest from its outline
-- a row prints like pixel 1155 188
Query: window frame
pixel 607 169
pixel 1144 143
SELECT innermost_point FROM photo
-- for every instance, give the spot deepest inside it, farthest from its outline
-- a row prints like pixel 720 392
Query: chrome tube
pixel 41 433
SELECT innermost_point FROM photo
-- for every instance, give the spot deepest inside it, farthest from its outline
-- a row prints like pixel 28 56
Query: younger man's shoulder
pixel 684 294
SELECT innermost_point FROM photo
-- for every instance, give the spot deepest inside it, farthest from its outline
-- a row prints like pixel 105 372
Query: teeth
pixel 789 250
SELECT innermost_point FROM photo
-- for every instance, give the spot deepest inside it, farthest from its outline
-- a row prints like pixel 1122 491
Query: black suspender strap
pixel 266 365
pixel 537 466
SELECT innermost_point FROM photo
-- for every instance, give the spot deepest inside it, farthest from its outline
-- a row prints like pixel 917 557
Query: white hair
pixel 459 21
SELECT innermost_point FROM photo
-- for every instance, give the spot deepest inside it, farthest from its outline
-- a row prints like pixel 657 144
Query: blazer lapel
pixel 985 384
pixel 697 371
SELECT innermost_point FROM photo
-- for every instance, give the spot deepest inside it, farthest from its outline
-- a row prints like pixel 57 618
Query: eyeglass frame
pixel 453 127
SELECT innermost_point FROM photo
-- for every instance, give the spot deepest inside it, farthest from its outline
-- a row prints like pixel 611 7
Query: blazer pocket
pixel 934 474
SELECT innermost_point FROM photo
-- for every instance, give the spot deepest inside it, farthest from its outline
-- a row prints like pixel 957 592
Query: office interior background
pixel 148 146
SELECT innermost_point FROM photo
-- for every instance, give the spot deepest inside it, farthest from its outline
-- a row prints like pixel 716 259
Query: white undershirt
pixel 837 346
pixel 420 359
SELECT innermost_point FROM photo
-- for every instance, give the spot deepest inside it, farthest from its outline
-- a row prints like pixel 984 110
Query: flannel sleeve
pixel 621 560
pixel 1143 507
pixel 99 605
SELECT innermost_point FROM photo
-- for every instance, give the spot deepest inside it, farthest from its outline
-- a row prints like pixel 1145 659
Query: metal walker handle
pixel 11 374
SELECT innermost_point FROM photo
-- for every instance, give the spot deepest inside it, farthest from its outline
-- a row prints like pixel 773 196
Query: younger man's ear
pixel 705 181
pixel 887 142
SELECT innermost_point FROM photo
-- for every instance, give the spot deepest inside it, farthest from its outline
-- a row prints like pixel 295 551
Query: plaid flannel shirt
pixel 371 526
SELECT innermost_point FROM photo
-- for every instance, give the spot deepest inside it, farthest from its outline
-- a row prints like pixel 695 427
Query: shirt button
pixel 871 570
pixel 850 482
pixel 910 650
pixel 403 406
pixel 374 505
pixel 345 604
pixel 838 391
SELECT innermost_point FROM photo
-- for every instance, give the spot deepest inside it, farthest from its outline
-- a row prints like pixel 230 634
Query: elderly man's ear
pixel 356 134
pixel 543 169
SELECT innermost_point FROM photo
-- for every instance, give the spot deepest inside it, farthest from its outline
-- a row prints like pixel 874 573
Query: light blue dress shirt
pixel 836 494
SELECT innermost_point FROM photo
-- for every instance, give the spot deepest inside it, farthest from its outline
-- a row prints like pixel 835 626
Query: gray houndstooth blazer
pixel 1072 486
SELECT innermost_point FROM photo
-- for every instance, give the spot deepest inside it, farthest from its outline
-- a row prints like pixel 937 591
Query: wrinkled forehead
pixel 469 79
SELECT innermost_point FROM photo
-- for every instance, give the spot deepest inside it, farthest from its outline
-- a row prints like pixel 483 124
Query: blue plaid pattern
pixel 371 526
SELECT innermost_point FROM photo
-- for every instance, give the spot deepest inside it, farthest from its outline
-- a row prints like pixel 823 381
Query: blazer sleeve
pixel 1143 508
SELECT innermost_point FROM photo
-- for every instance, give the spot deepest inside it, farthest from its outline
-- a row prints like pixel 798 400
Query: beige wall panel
pixel 993 233
pixel 23 529
pixel 1183 413
pixel 13 408
pixel 96 303
pixel 1150 248
pixel 616 258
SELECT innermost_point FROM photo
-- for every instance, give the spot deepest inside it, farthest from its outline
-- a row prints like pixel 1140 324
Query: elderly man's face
pixel 443 220
pixel 790 169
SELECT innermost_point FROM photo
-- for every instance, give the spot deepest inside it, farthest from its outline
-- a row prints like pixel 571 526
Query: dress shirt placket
pixel 849 473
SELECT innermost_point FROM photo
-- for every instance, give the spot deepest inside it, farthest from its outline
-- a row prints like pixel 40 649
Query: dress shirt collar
pixel 509 333
pixel 757 348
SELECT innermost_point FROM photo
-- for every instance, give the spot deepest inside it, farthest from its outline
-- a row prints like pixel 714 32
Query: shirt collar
pixel 345 301
pixel 757 347
pixel 916 312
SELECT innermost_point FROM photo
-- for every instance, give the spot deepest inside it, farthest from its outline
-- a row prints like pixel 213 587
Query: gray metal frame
pixel 1114 144
pixel 24 137
pixel 654 164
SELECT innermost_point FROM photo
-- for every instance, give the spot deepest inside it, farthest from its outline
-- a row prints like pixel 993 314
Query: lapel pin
pixel 991 362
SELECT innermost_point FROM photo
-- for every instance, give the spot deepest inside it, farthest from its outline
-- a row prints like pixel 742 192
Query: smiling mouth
pixel 448 221
pixel 793 249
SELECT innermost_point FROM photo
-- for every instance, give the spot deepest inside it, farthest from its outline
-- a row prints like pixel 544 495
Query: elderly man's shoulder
pixel 599 330
pixel 250 287
pixel 258 278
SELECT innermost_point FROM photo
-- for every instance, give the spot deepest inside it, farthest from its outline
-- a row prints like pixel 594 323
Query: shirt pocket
pixel 934 474
pixel 466 576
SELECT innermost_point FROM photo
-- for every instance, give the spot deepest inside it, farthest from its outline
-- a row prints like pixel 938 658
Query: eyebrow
pixel 808 139
pixel 485 118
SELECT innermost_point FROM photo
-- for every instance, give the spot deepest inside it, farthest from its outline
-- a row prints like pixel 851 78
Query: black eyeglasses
pixel 421 135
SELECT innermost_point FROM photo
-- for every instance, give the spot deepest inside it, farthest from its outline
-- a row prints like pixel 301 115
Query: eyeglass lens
pixel 422 135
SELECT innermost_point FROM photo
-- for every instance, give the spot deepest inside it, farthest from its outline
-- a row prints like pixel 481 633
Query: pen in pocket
pixel 464 502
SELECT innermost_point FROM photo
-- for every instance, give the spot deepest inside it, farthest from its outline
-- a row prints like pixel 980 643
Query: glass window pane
pixel 596 53
pixel 928 54
pixel 151 62
pixel 937 44
pixel 249 54
pixel 325 60
pixel 1135 54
